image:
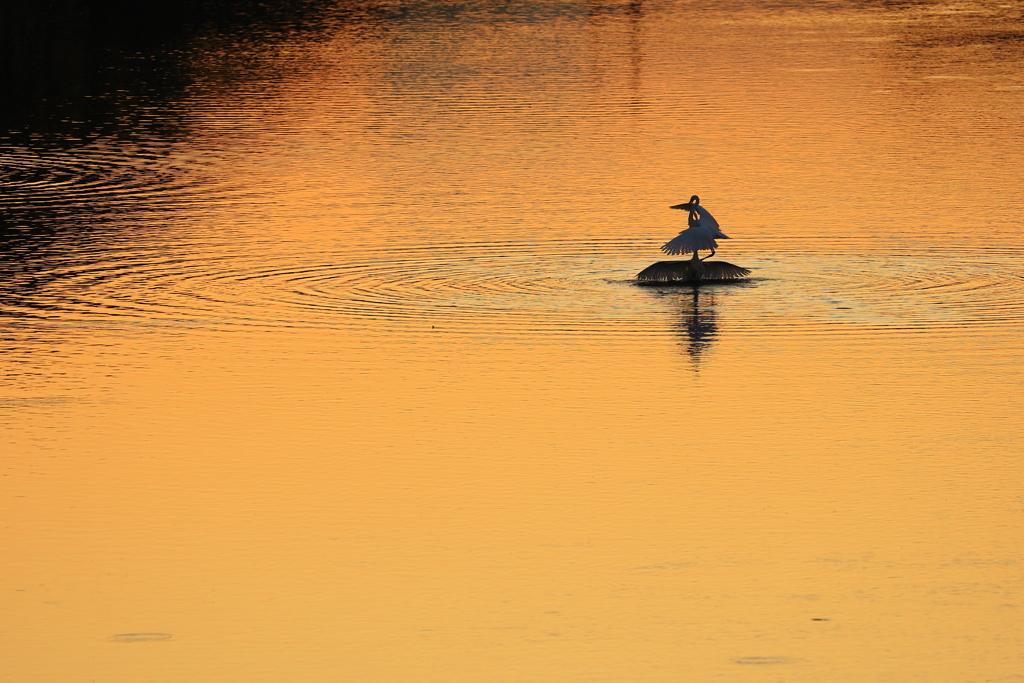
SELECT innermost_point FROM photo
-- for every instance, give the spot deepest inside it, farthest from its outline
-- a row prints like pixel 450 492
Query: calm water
pixel 322 359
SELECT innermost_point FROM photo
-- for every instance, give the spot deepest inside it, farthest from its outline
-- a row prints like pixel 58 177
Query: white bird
pixel 701 234
pixel 693 270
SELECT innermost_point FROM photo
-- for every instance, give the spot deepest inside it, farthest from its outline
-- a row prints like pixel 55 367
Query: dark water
pixel 323 358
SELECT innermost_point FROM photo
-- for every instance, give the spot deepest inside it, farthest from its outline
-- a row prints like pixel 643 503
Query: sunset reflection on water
pixel 324 358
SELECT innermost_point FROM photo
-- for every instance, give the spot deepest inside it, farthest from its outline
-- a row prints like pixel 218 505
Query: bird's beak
pixel 685 206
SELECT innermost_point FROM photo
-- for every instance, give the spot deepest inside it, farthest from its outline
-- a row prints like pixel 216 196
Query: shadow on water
pixel 75 69
pixel 26 258
pixel 95 97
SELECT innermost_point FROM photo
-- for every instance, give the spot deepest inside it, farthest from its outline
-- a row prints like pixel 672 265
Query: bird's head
pixel 688 206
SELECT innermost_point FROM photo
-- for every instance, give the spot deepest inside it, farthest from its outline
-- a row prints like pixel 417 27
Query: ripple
pixel 901 289
pixel 763 661
pixel 139 637
pixel 528 288
pixel 104 178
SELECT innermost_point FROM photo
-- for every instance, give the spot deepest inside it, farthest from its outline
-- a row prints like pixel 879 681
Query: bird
pixel 693 270
pixel 701 233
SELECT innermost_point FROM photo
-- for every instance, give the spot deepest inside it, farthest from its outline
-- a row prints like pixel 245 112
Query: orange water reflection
pixel 353 384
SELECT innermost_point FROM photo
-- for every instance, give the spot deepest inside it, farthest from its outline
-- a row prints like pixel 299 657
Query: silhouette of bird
pixel 693 270
pixel 701 233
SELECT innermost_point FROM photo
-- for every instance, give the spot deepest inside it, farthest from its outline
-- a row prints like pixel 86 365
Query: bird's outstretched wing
pixel 690 240
pixel 675 271
pixel 665 271
pixel 720 270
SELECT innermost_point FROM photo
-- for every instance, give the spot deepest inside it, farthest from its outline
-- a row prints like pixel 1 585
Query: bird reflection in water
pixel 695 310
pixel 698 323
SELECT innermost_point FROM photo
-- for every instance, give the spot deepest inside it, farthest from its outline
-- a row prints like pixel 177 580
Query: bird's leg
pixel 709 255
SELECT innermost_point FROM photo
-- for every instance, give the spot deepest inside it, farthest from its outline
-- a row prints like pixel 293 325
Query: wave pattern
pixel 107 179
pixel 528 289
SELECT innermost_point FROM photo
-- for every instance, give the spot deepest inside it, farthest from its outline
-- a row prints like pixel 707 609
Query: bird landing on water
pixel 701 235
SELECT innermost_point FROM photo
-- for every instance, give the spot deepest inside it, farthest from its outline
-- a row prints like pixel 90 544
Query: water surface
pixel 323 360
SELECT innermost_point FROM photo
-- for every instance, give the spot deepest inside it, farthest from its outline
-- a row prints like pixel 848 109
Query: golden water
pixel 325 364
